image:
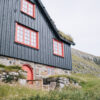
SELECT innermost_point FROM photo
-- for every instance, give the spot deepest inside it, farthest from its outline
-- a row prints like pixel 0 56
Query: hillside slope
pixel 85 63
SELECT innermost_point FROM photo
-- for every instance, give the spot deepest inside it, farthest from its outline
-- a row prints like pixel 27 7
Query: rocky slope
pixel 85 63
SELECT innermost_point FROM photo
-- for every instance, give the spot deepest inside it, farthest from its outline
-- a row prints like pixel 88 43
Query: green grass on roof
pixel 65 36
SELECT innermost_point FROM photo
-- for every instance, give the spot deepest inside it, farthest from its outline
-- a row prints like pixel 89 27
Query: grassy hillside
pixel 85 63
pixel 90 91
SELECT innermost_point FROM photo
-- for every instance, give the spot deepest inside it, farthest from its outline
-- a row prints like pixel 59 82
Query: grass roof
pixel 66 36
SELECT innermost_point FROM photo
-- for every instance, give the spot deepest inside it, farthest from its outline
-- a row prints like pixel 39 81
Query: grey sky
pixel 80 19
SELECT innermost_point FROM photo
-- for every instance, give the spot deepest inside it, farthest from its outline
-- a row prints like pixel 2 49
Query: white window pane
pixel 26 31
pixel 55 44
pixel 19 34
pixel 33 37
pixel 33 44
pixel 60 52
pixel 33 40
pixel 30 6
pixel 60 48
pixel 30 13
pixel 33 33
pixel 27 39
pixel 27 36
pixel 25 10
pixel 25 6
pixel 20 40
pixel 30 9
pixel 55 47
pixel 25 3
pixel 26 42
pixel 55 51
pixel 59 44
pixel 18 27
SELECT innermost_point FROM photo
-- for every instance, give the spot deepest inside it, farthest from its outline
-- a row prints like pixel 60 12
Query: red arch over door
pixel 29 71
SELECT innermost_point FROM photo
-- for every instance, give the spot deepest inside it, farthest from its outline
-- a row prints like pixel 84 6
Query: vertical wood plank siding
pixel 11 15
pixel 1 19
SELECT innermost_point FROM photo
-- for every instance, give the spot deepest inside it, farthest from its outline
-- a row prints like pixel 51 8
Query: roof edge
pixel 52 23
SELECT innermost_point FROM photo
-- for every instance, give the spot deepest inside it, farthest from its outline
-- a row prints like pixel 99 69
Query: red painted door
pixel 29 71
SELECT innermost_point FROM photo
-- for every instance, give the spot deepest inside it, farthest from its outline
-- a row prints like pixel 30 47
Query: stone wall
pixel 40 71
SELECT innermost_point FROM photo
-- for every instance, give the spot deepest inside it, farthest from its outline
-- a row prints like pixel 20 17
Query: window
pixel 58 48
pixel 26 36
pixel 28 8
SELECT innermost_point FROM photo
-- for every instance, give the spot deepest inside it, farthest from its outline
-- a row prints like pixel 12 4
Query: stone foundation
pixel 40 71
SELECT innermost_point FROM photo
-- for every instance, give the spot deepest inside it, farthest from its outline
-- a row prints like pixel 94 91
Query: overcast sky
pixel 80 19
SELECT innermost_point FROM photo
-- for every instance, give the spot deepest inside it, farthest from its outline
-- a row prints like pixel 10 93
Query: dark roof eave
pixel 67 41
pixel 52 24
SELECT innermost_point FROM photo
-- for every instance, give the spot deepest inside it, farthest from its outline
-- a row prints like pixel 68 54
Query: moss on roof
pixel 66 36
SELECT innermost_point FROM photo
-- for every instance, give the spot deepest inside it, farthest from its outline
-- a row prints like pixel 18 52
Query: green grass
pixel 90 91
pixel 13 68
pixel 66 36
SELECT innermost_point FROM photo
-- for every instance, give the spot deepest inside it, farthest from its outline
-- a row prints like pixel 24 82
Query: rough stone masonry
pixel 39 71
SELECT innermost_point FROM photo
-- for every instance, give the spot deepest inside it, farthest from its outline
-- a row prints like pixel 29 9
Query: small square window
pixel 28 8
pixel 58 48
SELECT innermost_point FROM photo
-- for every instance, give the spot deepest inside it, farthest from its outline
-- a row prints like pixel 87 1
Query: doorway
pixel 29 71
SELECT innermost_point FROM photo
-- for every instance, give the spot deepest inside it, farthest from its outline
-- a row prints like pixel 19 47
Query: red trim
pixel 23 43
pixel 21 5
pixel 28 8
pixel 16 33
pixel 62 45
pixel 62 49
pixel 37 40
pixel 30 38
pixel 34 10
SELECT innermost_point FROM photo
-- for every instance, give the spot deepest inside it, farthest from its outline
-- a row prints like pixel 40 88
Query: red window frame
pixel 62 47
pixel 23 42
pixel 28 8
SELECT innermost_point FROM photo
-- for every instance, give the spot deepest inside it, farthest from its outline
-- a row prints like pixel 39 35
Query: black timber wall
pixel 1 19
pixel 11 15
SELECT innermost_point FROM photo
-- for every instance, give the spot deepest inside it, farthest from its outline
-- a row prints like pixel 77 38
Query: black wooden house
pixel 28 33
